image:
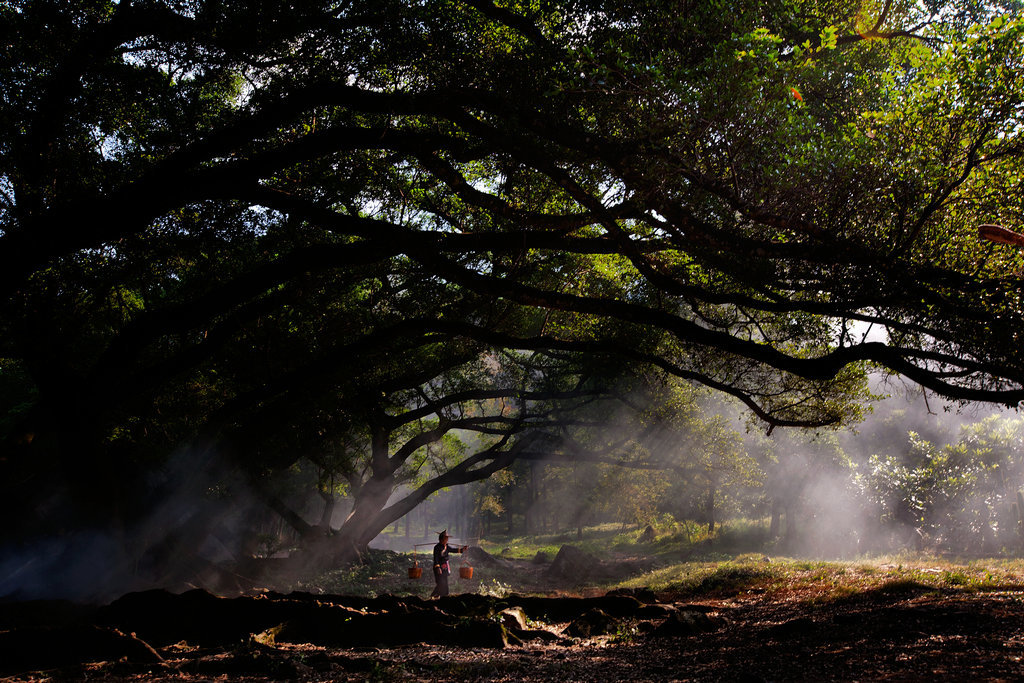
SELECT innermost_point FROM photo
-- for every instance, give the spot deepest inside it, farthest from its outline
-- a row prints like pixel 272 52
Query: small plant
pixel 626 633
pixel 752 558
pixel 844 591
pixel 269 544
pixel 386 671
pixel 957 578
pixel 494 589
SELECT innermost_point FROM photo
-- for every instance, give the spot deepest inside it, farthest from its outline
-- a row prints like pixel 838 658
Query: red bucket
pixel 465 572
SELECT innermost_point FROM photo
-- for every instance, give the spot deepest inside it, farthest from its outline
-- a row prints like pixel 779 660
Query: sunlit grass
pixel 596 539
pixel 746 576
pixel 689 564
pixel 824 581
pixel 692 564
pixel 729 539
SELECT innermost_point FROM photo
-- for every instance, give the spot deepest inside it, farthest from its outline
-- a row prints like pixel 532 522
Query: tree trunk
pixel 371 512
pixel 791 525
pixel 531 509
pixel 465 514
pixel 328 512
pixel 363 523
pixel 709 509
pixel 304 529
pixel 988 540
pixel 773 529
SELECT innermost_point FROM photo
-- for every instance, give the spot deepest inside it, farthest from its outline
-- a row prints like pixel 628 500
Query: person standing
pixel 441 568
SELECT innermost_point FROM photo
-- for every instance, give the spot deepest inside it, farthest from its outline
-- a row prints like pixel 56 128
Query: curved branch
pixel 822 367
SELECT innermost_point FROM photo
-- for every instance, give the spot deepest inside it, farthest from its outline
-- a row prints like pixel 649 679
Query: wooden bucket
pixel 415 572
pixel 465 572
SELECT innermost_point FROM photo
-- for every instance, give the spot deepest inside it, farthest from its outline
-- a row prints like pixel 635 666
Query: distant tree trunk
pixel 427 519
pixel 773 529
pixel 531 508
pixel 328 512
pixel 709 509
pixel 581 506
pixel 988 540
pixel 466 514
pixel 548 509
pixel 791 525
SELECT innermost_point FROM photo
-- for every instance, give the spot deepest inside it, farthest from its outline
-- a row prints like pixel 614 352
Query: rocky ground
pixel 795 630
pixel 909 635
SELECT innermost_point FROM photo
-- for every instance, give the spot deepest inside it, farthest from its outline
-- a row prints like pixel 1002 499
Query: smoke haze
pixel 821 494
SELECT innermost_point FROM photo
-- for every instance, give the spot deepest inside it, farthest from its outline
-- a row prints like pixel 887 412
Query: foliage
pixel 382 572
pixel 961 493
pixel 352 233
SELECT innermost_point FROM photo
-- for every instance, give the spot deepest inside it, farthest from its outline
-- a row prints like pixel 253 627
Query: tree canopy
pixel 253 227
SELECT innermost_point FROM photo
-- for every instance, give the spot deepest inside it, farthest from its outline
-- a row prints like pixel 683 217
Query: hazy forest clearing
pixel 733 562
pixel 637 612
pixel 290 290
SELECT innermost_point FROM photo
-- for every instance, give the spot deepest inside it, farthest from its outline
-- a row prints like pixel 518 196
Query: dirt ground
pixel 899 634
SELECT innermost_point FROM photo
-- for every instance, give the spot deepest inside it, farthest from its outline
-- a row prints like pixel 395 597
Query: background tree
pixel 958 496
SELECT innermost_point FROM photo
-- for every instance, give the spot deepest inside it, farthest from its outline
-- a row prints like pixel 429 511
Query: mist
pixel 903 479
pixel 908 477
pixel 199 520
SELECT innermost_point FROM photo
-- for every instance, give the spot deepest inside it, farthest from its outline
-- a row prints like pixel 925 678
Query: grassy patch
pixel 729 579
pixel 753 574
pixel 713 579
pixel 820 582
pixel 682 540
pixel 596 540
pixel 685 561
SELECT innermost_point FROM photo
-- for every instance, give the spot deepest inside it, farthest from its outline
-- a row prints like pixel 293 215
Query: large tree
pixel 214 209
